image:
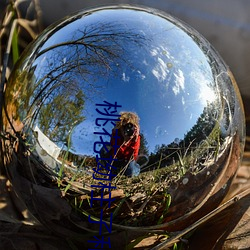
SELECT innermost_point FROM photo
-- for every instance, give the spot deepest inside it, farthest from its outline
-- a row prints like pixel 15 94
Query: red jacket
pixel 126 151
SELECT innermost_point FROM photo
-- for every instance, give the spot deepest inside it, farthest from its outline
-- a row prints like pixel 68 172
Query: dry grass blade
pixel 28 25
pixel 12 17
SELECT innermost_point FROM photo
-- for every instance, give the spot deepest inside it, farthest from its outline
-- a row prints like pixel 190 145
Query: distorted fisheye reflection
pixel 180 119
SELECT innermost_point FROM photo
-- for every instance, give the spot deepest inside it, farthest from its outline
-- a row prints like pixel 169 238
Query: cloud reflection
pixel 179 82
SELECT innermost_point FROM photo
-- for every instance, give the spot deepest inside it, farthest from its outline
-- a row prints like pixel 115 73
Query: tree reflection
pixel 144 145
pixel 200 144
pixel 203 126
pixel 57 117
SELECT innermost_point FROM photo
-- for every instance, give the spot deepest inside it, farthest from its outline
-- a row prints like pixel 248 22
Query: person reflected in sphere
pixel 127 144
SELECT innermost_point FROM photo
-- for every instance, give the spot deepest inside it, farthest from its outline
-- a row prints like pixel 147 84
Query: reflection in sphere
pixel 127 104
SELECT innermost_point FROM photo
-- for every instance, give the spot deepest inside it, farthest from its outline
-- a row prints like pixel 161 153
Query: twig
pixel 29 235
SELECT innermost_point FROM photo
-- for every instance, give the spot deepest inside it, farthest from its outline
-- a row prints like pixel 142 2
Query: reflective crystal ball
pixel 123 117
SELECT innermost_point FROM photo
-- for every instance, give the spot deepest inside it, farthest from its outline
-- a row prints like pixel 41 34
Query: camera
pixel 128 129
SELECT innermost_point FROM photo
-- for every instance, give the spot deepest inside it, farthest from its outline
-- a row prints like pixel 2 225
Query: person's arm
pixel 137 147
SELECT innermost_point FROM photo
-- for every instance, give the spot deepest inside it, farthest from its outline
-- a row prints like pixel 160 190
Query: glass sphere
pixel 121 114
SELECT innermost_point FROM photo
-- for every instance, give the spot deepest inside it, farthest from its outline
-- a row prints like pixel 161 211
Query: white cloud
pixel 145 62
pixel 154 52
pixel 142 76
pixel 125 78
pixel 206 93
pixel 183 100
pixel 161 70
pixel 179 82
pixel 159 132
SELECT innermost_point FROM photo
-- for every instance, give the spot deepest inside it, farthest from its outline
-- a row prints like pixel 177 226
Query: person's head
pixel 127 123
